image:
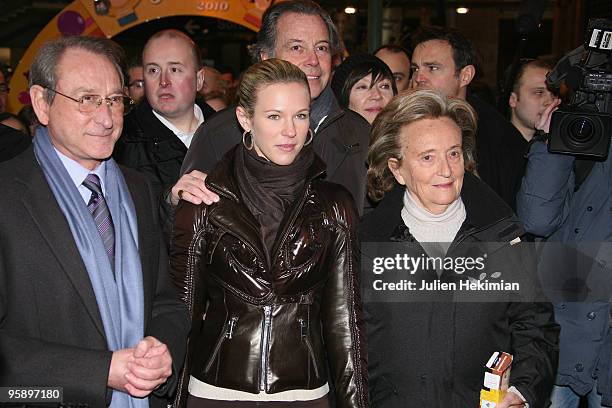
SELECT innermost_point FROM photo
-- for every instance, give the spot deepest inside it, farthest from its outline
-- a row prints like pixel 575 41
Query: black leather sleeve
pixel 186 257
pixel 343 324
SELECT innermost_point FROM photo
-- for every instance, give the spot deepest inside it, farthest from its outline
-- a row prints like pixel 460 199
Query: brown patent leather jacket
pixel 271 328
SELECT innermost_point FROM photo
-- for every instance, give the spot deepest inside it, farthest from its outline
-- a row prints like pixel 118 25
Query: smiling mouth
pixel 102 136
pixel 313 77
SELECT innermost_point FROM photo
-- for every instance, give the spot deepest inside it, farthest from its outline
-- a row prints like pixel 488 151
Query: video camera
pixel 584 126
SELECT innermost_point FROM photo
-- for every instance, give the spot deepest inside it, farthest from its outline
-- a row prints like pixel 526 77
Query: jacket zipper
pixel 306 339
pixel 265 334
pixel 230 329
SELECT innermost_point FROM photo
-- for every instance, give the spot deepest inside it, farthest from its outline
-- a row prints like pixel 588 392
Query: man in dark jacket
pixel 158 132
pixel 447 61
pixel 302 33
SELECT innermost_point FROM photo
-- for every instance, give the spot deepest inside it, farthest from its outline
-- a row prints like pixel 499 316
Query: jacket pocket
pixel 226 334
pixel 306 339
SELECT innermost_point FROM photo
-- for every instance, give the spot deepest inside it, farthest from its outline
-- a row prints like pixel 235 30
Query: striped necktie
pixel 102 217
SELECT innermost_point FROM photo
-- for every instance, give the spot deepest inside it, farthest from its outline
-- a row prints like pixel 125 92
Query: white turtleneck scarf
pixel 426 227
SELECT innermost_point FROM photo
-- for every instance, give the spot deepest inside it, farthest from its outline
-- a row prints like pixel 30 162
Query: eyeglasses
pixel 4 88
pixel 138 83
pixel 89 103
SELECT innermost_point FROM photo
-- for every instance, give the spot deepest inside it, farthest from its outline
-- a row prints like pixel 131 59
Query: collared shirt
pixel 185 137
pixel 78 174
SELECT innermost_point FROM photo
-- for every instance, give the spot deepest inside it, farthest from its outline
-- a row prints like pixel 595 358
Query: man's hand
pixel 543 123
pixel 118 368
pixel 149 368
pixel 140 370
pixel 190 187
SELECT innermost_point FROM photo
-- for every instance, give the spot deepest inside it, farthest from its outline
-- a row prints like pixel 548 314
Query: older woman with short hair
pixel 432 352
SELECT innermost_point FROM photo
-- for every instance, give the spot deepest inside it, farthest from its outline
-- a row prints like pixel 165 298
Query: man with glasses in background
pixel 85 302
pixel 135 80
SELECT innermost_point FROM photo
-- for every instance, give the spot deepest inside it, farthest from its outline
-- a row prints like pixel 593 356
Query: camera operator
pixel 577 223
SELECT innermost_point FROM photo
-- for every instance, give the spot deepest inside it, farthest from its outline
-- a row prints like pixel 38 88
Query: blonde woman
pixel 269 271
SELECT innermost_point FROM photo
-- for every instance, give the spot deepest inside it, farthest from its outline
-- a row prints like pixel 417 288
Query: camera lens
pixel 581 129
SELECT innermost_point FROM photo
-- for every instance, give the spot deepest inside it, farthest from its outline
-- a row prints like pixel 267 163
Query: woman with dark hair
pixel 364 84
pixel 475 291
pixel 269 271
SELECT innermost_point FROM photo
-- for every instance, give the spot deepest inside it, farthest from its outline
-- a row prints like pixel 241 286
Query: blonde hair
pixel 404 109
pixel 264 73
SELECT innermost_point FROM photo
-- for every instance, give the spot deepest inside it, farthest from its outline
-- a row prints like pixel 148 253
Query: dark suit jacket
pixel 51 332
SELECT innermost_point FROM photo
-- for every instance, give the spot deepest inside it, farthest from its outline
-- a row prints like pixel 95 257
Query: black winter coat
pixel 277 326
pixel 432 353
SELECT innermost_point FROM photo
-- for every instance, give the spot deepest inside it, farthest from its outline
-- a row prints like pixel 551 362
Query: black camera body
pixel 584 126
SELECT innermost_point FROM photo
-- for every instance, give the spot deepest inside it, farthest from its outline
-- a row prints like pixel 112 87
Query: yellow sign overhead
pixel 111 17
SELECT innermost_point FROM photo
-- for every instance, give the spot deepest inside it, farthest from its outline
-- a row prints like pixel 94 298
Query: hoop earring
pixel 244 136
pixel 309 141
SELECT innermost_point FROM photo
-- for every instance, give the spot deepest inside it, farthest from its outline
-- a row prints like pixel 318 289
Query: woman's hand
pixel 512 400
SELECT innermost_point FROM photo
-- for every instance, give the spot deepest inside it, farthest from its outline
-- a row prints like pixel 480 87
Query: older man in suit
pixel 85 302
